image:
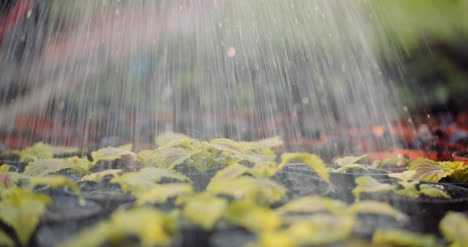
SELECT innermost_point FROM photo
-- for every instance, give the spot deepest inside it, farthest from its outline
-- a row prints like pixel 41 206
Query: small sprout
pixel 4 168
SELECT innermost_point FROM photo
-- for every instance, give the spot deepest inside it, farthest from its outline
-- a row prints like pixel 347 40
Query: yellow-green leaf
pixel 433 171
pixel 460 174
pixel 274 238
pixel 149 225
pixel 5 240
pixel 321 229
pixel 229 172
pixel 204 210
pixel 312 204
pixel 312 160
pixel 55 181
pixel 228 145
pixel 4 168
pixel 349 160
pixel 259 190
pixel 49 166
pixel 98 176
pixel 375 207
pixel 60 150
pixel 165 157
pixel 367 184
pixel 160 193
pixel 403 176
pixel 139 182
pixel 454 227
pixel 21 210
pixel 433 191
pixel 345 168
pixel 248 214
pixel 36 152
pixel 168 137
pixel 403 238
pixel 112 153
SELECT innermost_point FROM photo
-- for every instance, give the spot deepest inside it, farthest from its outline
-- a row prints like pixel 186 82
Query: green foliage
pixel 204 209
pixel 454 227
pixel 311 160
pixel 375 207
pixel 160 193
pixel 55 181
pixel 150 226
pixel 4 168
pixel 432 191
pixel 403 238
pixel 21 210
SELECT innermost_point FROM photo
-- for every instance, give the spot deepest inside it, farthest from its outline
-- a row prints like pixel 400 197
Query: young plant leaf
pixel 312 204
pixel 460 174
pixel 55 181
pixel 21 210
pixel 150 226
pixel 204 210
pixel 248 214
pixel 139 182
pixel 168 137
pixel 349 160
pixel 454 227
pixel 312 160
pixel 5 168
pixel 278 238
pixel 165 157
pixel 433 191
pixel 345 168
pixel 98 176
pixel 228 145
pixel 403 176
pixel 60 150
pixel 322 229
pixel 268 143
pixel 36 152
pixel 399 237
pixel 112 153
pixel 259 190
pixel 367 184
pixel 5 240
pixel 229 172
pixel 375 207
pixel 433 171
pixel 160 193
pixel 49 166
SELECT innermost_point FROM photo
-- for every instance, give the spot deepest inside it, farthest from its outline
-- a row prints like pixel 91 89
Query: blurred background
pixel 331 77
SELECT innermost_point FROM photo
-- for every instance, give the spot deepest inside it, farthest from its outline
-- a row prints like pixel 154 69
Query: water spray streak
pixel 239 69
